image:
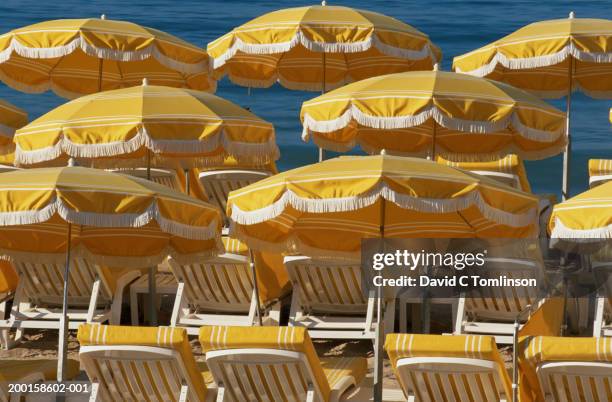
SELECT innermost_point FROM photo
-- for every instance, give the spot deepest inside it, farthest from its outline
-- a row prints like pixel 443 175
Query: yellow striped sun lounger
pixel 140 363
pixel 275 364
pixel 567 369
pixel 600 171
pixel 433 368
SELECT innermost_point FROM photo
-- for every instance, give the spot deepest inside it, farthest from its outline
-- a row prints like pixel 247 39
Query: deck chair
pixel 602 325
pixel 218 289
pixel 600 171
pixel 8 285
pixel 328 299
pixel 30 372
pixel 218 184
pixel 276 364
pixel 568 369
pixel 140 363
pixel 433 368
pixel 492 310
pixel 166 177
pixel 38 298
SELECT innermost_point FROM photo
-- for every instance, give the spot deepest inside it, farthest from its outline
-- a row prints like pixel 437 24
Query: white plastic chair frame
pixel 589 381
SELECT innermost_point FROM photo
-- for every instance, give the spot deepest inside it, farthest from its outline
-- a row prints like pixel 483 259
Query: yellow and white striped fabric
pixel 586 217
pixel 425 112
pixel 8 278
pixel 327 208
pixel 399 346
pixel 536 350
pixel 177 127
pixel 163 337
pixel 234 246
pixel 302 47
pixel 549 58
pixel 117 220
pixel 327 372
pixel 74 57
pixel 511 164
pixel 11 118
pixel 600 167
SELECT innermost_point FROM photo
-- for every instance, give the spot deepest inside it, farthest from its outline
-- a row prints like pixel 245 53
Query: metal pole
pixel 151 273
pixel 380 325
pixel 565 189
pixel 321 150
pixel 515 334
pixel 63 324
pixel 255 286
pixel 187 189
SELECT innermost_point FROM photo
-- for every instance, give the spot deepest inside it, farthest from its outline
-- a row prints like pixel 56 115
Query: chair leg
pixel 117 303
pixel 134 306
pixel 370 311
pixel 179 300
pixel 310 393
pixel 295 311
pixel 184 393
pixel 460 316
pixel 253 309
pixel 93 300
pixel 220 393
pixel 95 387
pixel 599 314
pixel 274 314
pixel 389 317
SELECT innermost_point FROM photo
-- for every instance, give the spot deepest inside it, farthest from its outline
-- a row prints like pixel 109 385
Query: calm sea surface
pixel 455 26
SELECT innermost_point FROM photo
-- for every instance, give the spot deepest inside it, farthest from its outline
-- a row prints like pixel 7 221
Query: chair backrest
pixel 603 274
pixel 509 179
pixel 222 283
pixel 136 372
pixel 219 183
pixel 165 177
pixel 262 374
pixel 327 285
pixel 600 171
pixel 504 303
pixel 575 381
pixel 433 379
pixel 44 283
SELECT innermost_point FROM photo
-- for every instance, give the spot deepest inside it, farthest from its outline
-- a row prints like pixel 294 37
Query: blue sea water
pixel 455 26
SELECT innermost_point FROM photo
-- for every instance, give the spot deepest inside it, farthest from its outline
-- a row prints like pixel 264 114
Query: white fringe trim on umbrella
pixel 259 153
pixel 336 47
pixel 560 231
pixel 330 205
pixel 80 251
pixel 110 220
pixel 353 113
pixel 538 61
pixel 104 53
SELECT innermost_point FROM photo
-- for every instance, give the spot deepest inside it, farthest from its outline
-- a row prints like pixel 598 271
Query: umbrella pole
pixel 187 189
pixel 565 190
pixel 151 273
pixel 380 326
pixel 321 150
pixel 63 324
pixel 255 286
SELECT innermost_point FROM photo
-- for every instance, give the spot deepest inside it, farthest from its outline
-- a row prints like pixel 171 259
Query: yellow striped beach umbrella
pixel 147 125
pixel 427 113
pixel 327 209
pixel 552 59
pixel 11 119
pixel 74 57
pixel 52 214
pixel 319 47
pixel 586 217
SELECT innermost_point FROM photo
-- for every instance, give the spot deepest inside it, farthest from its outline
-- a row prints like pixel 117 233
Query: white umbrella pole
pixel 63 324
pixel 321 150
pixel 255 286
pixel 565 189
pixel 380 326
pixel 151 273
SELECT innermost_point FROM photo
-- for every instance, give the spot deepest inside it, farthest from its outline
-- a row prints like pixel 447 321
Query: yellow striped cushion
pixel 600 167
pixel 282 338
pixel 164 337
pixel 400 346
pixel 338 368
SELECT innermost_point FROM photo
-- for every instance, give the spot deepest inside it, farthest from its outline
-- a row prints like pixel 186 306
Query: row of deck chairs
pixel 281 364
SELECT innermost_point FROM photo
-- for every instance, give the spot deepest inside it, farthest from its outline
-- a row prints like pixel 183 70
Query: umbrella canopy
pixel 549 58
pixel 319 47
pixel 11 118
pixel 74 57
pixel 327 208
pixel 114 219
pixel 423 113
pixel 167 127
pixel 585 217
